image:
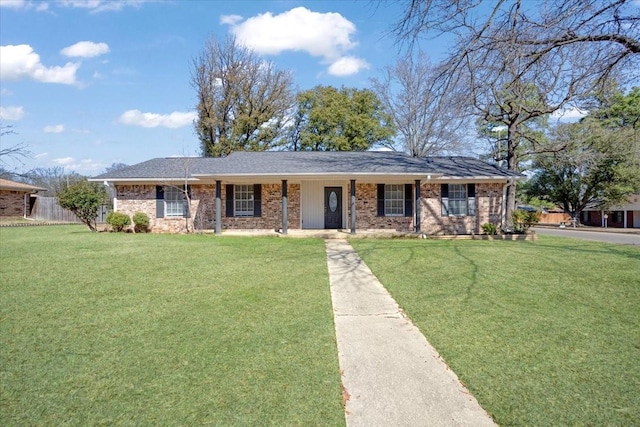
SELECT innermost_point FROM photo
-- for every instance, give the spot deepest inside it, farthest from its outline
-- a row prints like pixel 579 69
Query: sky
pixel 88 83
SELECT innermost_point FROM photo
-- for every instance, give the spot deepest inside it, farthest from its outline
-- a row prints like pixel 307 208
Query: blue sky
pixel 89 83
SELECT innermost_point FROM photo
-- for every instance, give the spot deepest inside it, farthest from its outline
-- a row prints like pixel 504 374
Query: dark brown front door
pixel 332 207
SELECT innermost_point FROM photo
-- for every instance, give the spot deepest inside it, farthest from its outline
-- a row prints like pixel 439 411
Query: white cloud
pixel 85 49
pixel 54 129
pixel 324 35
pixel 39 155
pixel 571 114
pixel 82 166
pixel 97 6
pixel 11 113
pixel 13 4
pixel 347 66
pixel 20 61
pixel 152 120
pixel 230 19
pixel 64 161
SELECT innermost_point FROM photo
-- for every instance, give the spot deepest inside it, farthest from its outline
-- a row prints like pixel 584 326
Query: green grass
pixel 122 329
pixel 542 333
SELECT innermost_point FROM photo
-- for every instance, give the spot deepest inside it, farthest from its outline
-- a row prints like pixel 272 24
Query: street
pixel 624 238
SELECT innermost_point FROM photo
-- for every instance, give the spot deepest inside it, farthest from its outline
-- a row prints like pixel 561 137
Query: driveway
pixel 623 238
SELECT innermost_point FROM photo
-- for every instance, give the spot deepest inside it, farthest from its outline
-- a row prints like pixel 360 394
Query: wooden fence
pixel 48 209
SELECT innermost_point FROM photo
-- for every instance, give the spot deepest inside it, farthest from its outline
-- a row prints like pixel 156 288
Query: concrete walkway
pixel 391 375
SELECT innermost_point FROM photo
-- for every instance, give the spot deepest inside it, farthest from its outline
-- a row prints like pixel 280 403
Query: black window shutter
pixel 408 200
pixel 186 208
pixel 444 198
pixel 380 199
pixel 257 200
pixel 471 190
pixel 229 201
pixel 471 199
pixel 159 201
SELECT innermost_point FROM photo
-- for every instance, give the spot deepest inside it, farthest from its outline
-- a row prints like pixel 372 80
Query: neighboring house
pixel 314 190
pixel 15 198
pixel 623 216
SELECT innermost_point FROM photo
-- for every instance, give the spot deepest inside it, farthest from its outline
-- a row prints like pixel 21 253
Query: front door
pixel 333 207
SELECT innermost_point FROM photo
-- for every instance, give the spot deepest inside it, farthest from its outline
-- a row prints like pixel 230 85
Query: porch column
pixel 285 220
pixel 218 207
pixel 353 206
pixel 624 220
pixel 602 221
pixel 417 205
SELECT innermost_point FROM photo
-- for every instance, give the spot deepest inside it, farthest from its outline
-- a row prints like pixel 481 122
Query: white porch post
pixel 624 220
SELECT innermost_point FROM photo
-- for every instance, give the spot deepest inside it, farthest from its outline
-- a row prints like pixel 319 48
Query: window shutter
pixel 159 201
pixel 186 209
pixel 257 200
pixel 408 200
pixel 229 200
pixel 380 199
pixel 471 199
pixel 444 198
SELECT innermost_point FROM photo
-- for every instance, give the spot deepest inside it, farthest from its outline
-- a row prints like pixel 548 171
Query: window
pixel 458 199
pixel 174 201
pixel 243 200
pixel 393 200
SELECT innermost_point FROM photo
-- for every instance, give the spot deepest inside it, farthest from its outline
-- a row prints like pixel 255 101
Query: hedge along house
pixel 314 190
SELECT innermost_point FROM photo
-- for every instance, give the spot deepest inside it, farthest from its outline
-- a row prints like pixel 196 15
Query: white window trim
pixel 388 199
pixel 173 213
pixel 243 189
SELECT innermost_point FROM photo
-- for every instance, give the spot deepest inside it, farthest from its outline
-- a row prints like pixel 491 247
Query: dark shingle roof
pixel 307 163
pixel 319 162
pixel 163 168
pixel 465 167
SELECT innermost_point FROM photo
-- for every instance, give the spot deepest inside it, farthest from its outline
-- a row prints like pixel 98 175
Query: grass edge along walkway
pixel 103 328
pixel 541 333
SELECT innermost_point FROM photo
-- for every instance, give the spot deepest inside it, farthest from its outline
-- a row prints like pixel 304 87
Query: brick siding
pixel 12 203
pixel 141 198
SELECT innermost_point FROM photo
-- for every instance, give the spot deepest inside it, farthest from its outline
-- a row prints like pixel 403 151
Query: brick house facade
pixel 15 198
pixel 392 192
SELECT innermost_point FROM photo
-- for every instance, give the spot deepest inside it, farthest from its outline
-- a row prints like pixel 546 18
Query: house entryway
pixel 332 207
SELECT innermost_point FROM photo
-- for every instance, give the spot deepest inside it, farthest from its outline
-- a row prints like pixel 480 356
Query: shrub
pixel 118 221
pixel 489 228
pixel 140 222
pixel 524 220
pixel 84 198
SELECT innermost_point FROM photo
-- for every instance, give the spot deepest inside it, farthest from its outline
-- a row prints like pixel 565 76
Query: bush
pixel 140 222
pixel 118 221
pixel 489 228
pixel 84 198
pixel 523 220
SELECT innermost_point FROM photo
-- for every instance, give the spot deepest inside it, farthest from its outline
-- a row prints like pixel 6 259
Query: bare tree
pixel 54 179
pixel 16 152
pixel 243 100
pixel 430 122
pixel 525 60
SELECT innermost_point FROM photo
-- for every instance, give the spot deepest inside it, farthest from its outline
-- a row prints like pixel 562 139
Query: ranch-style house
pixel 287 190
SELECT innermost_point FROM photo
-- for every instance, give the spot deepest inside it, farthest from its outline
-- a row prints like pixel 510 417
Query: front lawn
pixel 122 329
pixel 542 333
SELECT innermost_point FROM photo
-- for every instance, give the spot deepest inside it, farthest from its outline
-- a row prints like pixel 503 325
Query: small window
pixel 458 199
pixel 394 200
pixel 243 200
pixel 174 201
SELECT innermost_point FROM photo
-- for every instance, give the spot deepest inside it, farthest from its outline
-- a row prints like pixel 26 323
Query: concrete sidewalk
pixel 391 375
